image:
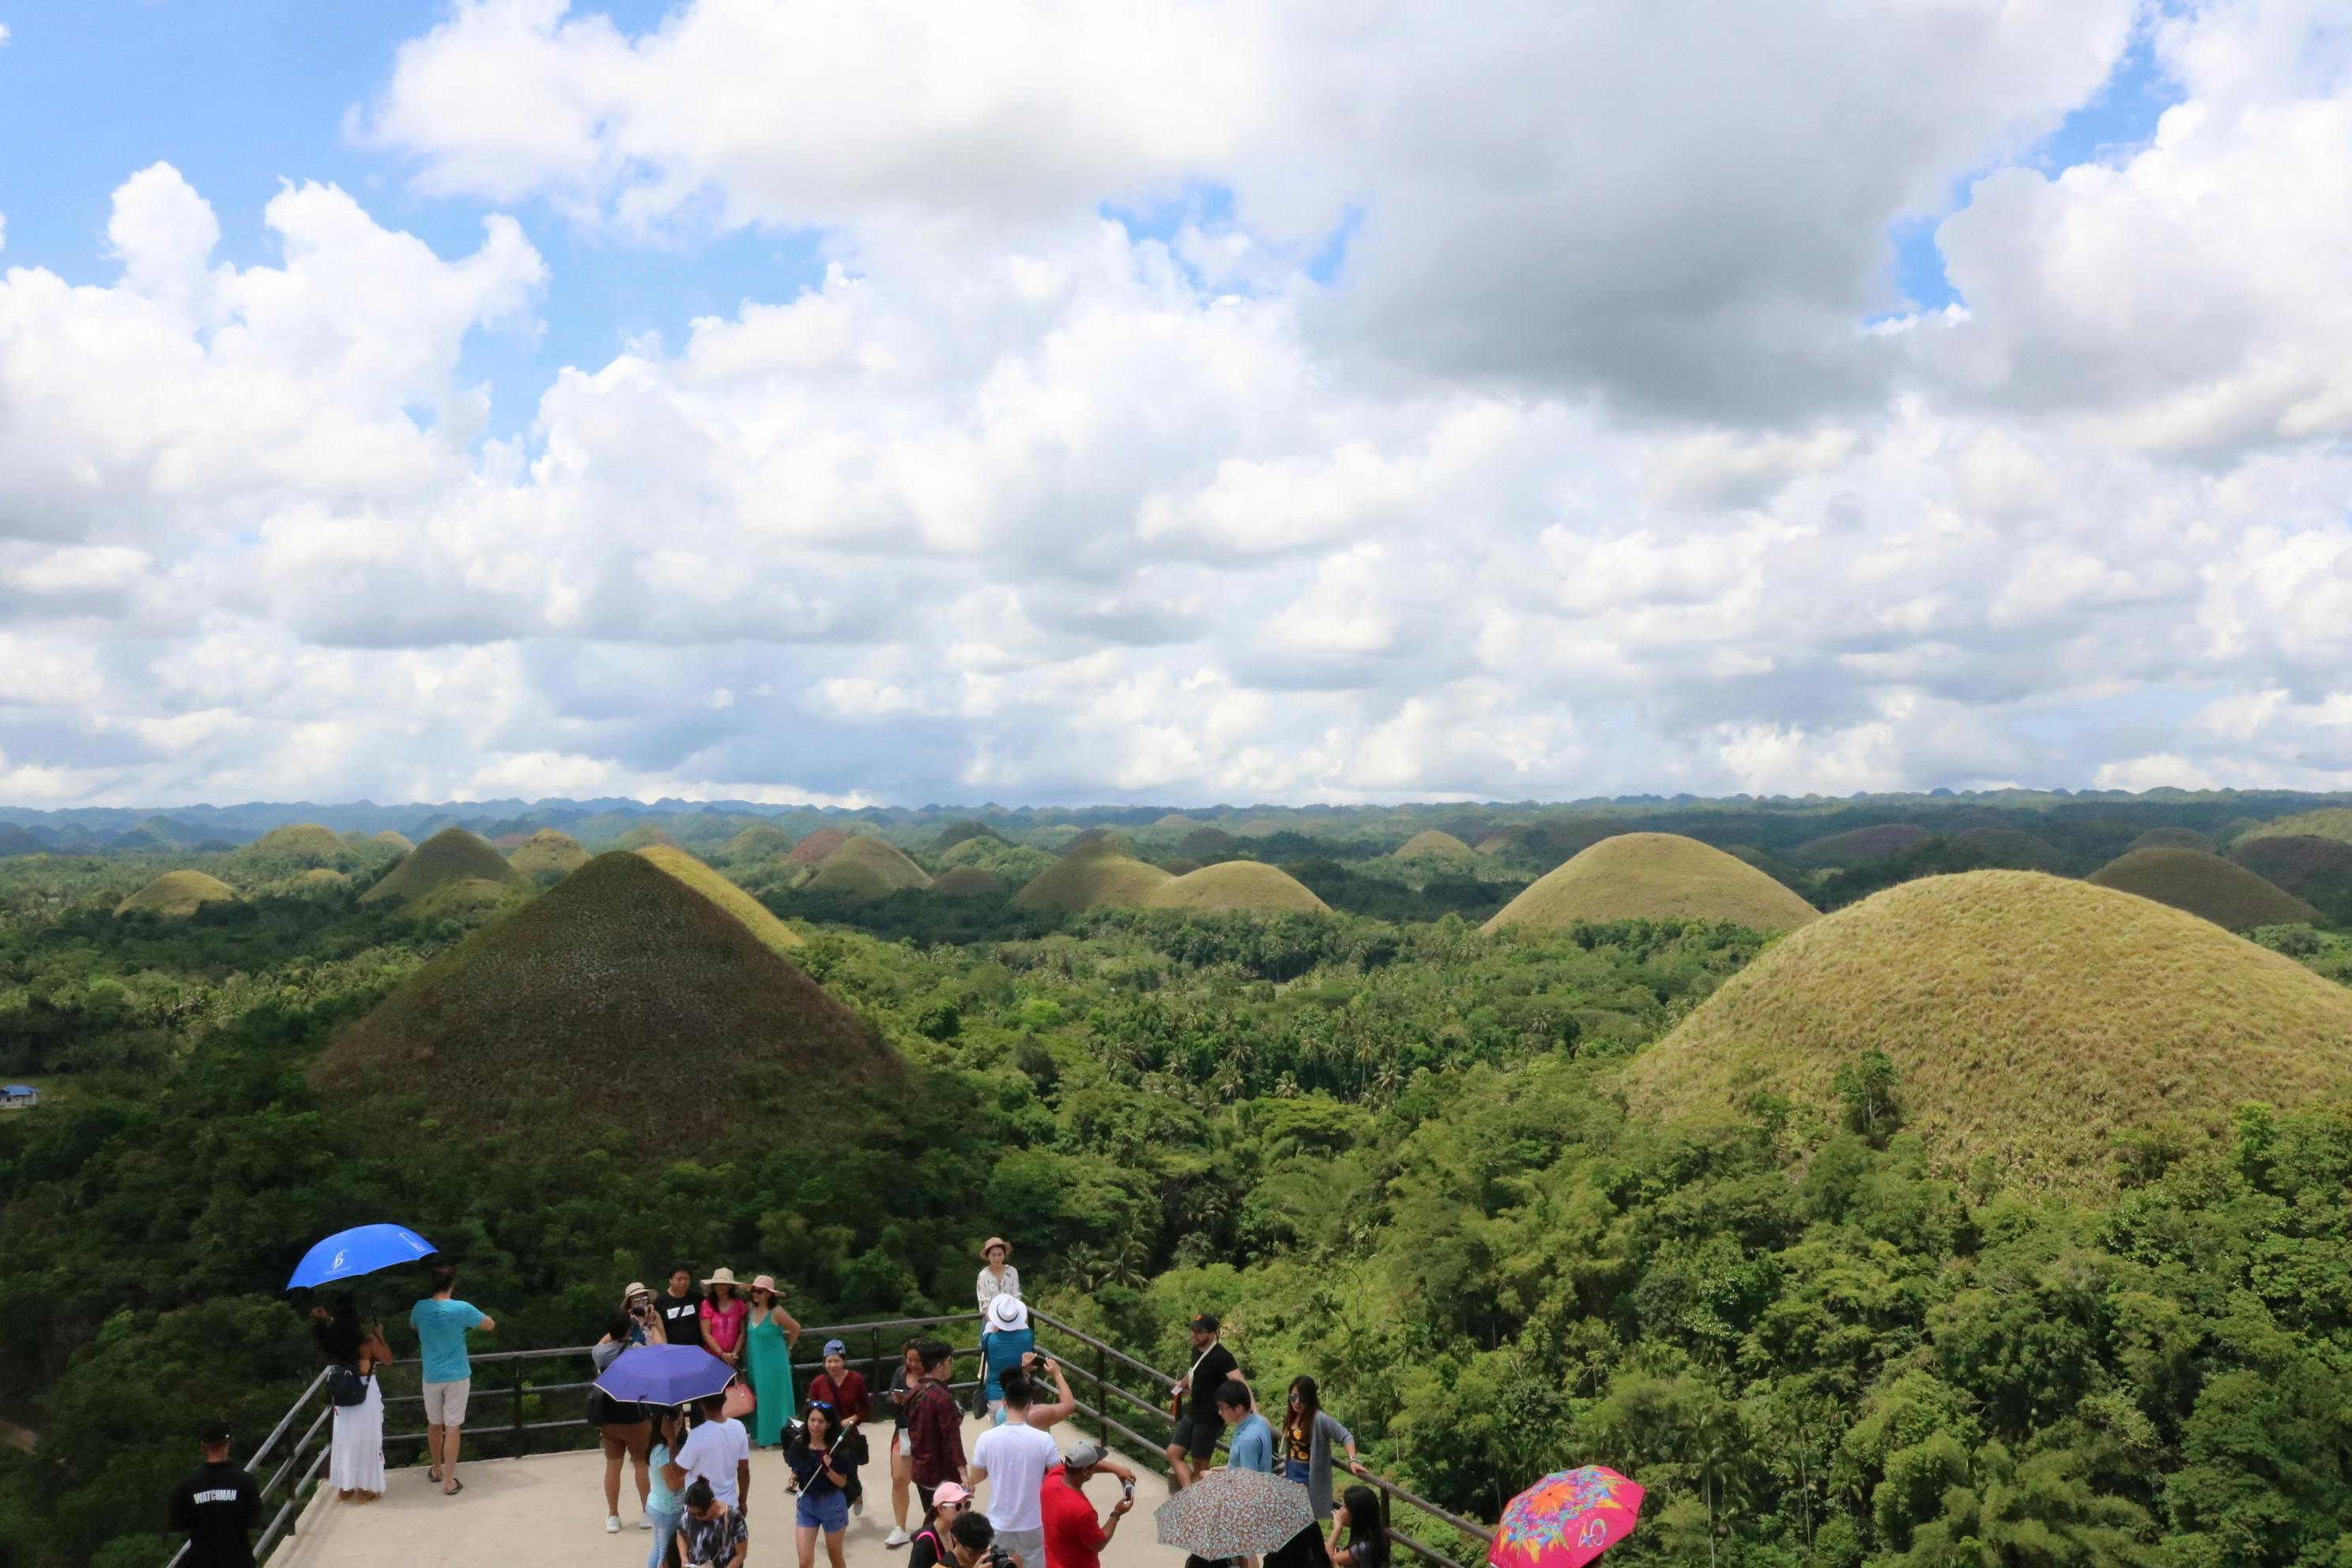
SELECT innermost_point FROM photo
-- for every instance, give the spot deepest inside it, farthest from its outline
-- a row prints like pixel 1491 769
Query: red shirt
pixel 935 1432
pixel 1073 1538
pixel 847 1399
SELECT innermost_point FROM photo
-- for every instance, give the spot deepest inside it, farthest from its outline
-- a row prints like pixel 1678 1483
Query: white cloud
pixel 1015 502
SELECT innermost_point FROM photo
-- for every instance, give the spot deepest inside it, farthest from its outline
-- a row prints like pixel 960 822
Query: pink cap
pixel 951 1492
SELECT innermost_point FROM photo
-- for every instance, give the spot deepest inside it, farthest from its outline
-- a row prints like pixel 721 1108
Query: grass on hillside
pixel 2204 884
pixel 177 893
pixel 761 841
pixel 452 855
pixel 1858 844
pixel 1202 843
pixel 757 918
pixel 968 882
pixel 2029 1018
pixel 622 997
pixel 1091 878
pixel 811 850
pixel 2329 822
pixel 1654 875
pixel 392 840
pixel 867 867
pixel 2012 848
pixel 2170 838
pixel 1432 844
pixel 1243 886
pixel 956 833
pixel 2301 865
pixel 547 854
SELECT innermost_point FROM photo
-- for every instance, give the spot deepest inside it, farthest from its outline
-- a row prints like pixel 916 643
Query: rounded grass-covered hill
pixel 811 850
pixel 2307 867
pixel 1857 845
pixel 757 918
pixel 867 867
pixel 761 841
pixel 2027 1017
pixel 1432 844
pixel 967 882
pixel 551 1014
pixel 1246 886
pixel 2204 884
pixel 1095 877
pixel 548 854
pixel 452 855
pixel 310 841
pixel 2170 838
pixel 956 833
pixel 1654 875
pixel 177 893
pixel 2328 822
pixel 394 840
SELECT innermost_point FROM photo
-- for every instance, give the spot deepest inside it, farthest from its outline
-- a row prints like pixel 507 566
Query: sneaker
pixel 611 1524
pixel 898 1537
pixel 644 1524
pixel 857 1509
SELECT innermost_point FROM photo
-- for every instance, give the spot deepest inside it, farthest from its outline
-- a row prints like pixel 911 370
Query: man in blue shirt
pixel 1250 1443
pixel 441 1325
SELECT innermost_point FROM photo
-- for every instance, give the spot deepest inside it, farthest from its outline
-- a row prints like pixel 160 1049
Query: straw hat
pixel 722 1277
pixel 762 1282
pixel 994 1241
pixel 1007 1315
pixel 636 1288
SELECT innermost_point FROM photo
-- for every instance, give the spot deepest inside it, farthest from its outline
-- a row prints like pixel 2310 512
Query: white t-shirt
pixel 711 1451
pixel 1016 1457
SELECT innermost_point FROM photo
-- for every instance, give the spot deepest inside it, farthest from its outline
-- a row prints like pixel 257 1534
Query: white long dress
pixel 355 1463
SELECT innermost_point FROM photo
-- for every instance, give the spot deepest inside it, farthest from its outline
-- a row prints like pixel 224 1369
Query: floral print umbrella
pixel 1566 1519
pixel 1234 1513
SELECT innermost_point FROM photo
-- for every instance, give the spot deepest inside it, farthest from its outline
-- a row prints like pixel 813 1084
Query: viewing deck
pixel 549 1509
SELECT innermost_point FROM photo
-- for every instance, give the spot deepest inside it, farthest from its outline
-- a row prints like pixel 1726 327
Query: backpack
pixel 346 1387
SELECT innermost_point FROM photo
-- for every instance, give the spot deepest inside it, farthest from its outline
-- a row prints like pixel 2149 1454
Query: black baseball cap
pixel 214 1431
pixel 1204 1324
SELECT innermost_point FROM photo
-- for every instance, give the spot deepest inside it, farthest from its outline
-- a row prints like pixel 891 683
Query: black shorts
pixel 1197 1435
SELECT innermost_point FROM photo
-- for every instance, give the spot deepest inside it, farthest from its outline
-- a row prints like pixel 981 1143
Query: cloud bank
pixel 1211 402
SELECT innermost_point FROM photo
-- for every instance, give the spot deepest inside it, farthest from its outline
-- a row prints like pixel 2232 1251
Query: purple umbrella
pixel 665 1375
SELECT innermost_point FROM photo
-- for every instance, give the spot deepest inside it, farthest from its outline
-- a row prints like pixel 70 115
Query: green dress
pixel 771 1361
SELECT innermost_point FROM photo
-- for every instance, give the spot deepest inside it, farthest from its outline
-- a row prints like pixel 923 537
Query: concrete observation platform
pixel 548 1509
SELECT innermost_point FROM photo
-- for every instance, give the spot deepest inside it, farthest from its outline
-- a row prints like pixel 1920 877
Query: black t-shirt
pixel 217 1508
pixel 1217 1367
pixel 925 1551
pixel 681 1320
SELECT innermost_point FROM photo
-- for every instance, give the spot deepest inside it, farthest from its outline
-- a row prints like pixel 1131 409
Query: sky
pixel 1181 401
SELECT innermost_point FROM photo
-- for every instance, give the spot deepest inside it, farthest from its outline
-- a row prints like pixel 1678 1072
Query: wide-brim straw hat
pixel 994 1241
pixel 1007 1315
pixel 636 1288
pixel 764 1282
pixel 723 1277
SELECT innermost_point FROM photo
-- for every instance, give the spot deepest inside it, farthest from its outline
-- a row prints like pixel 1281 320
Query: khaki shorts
pixel 1028 1545
pixel 445 1402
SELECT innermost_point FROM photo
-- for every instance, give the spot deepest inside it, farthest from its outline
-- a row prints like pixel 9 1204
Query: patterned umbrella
pixel 1566 1519
pixel 1234 1513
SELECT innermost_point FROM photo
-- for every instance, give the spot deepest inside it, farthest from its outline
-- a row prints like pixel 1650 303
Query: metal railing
pixel 528 1429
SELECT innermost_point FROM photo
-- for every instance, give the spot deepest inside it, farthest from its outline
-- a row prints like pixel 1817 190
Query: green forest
pixel 1414 1157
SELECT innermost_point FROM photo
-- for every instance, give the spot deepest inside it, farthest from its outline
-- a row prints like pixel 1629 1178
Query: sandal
pixel 454 1488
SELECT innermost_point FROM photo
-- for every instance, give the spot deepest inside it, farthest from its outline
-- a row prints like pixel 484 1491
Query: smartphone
pixel 1130 1489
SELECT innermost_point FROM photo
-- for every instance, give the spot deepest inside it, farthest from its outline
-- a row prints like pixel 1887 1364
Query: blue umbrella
pixel 665 1375
pixel 363 1249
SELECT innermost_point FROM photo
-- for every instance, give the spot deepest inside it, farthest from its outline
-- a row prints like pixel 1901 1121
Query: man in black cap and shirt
pixel 218 1507
pixel 1197 1423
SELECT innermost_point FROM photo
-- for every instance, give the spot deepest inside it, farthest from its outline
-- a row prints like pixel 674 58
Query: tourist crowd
pixel 691 1466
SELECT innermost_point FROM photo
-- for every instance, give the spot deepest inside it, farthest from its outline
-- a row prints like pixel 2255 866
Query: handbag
pixel 741 1400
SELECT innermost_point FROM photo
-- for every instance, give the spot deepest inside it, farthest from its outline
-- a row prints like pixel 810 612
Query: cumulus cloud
pixel 1582 474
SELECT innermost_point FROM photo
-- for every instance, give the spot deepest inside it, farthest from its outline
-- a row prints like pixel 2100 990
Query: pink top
pixel 723 1324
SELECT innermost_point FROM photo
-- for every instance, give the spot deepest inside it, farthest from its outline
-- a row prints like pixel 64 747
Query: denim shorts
pixel 829 1514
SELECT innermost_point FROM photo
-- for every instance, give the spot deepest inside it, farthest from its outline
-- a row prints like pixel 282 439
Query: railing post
pixel 1102 1396
pixel 517 1407
pixel 876 1383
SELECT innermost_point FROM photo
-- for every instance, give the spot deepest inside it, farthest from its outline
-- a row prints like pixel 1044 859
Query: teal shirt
pixel 1252 1444
pixel 660 1499
pixel 441 1333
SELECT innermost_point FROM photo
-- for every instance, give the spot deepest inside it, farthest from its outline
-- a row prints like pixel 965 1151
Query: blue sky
pixel 1518 390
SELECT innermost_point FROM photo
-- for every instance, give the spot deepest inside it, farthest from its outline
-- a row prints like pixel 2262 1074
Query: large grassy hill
pixel 2328 822
pixel 811 850
pixel 1236 885
pixel 1654 875
pixel 548 854
pixel 1432 844
pixel 2028 1018
pixel 757 918
pixel 2204 884
pixel 622 997
pixel 1096 876
pixel 177 893
pixel 452 855
pixel 867 867
pixel 761 841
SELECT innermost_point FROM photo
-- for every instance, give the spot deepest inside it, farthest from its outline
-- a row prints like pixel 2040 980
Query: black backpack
pixel 345 1386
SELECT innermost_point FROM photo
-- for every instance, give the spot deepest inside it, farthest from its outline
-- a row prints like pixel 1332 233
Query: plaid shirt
pixel 935 1432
